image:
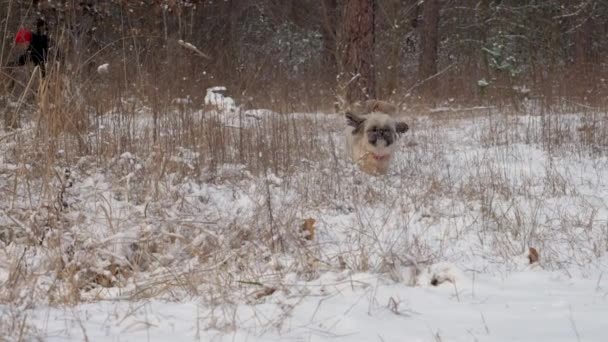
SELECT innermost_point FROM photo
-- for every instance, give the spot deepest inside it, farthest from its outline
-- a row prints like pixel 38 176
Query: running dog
pixel 371 137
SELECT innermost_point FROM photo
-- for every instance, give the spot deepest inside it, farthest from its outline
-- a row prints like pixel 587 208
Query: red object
pixel 23 36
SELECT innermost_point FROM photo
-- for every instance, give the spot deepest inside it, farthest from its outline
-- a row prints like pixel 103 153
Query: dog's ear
pixel 354 121
pixel 401 127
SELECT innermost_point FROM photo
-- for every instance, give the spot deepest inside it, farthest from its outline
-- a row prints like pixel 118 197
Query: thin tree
pixel 358 38
pixel 329 25
pixel 430 42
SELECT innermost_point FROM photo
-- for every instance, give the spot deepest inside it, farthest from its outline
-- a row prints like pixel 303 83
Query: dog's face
pixel 378 129
pixel 371 140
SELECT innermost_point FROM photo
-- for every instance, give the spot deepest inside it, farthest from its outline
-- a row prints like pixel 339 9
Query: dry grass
pixel 119 192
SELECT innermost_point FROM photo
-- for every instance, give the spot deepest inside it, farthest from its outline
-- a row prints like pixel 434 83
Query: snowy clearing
pixel 177 241
pixel 527 306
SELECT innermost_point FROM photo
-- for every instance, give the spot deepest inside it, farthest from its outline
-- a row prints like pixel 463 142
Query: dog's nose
pixel 372 139
pixel 387 136
pixel 389 139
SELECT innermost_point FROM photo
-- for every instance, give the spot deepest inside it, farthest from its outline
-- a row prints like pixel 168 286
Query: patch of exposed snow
pixel 103 69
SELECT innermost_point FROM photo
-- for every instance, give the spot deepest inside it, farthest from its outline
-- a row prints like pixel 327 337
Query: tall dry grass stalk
pixel 114 189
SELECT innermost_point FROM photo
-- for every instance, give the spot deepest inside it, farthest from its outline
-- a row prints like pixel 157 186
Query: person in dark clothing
pixel 38 48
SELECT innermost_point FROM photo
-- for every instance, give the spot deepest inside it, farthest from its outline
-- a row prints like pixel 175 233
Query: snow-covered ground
pixel 222 257
pixel 531 305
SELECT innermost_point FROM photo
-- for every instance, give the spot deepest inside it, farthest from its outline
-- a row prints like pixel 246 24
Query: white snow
pixel 192 48
pixel 103 69
pixel 463 202
pixel 182 101
pixel 216 97
pixel 225 109
pixel 522 89
pixel 526 306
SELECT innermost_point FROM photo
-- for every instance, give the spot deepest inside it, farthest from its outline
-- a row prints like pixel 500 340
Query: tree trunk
pixel 330 23
pixel 358 50
pixel 482 67
pixel 430 41
pixel 484 27
pixel 400 26
pixel 583 45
